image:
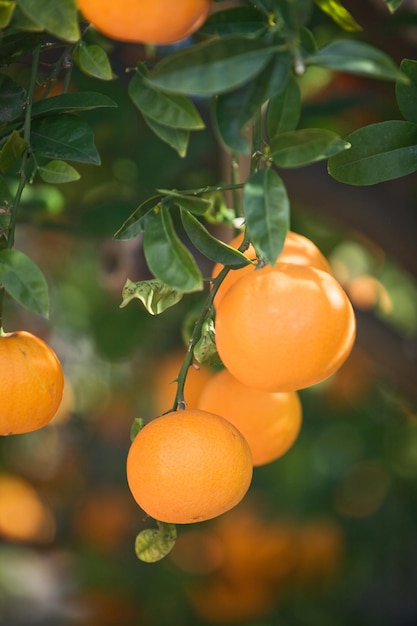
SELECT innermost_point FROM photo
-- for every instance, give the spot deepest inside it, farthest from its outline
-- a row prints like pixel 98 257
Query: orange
pixel 270 422
pixel 31 383
pixel 188 466
pixel 284 328
pixel 23 515
pixel 164 387
pixel 297 249
pixel 145 21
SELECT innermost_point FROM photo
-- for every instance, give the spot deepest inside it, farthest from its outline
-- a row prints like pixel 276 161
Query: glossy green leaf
pixel 24 281
pixel 284 110
pixel 235 109
pixel 338 13
pixel 356 57
pixel 379 152
pixel 6 12
pixel 210 246
pixel 393 5
pixel 307 145
pixel 177 138
pixel 59 18
pixel 243 20
pixel 167 257
pixel 189 202
pixel 135 223
pixel 155 296
pixel 12 99
pixel 64 137
pixel 93 61
pixel 11 151
pixel 58 172
pixel 213 66
pixel 407 94
pixel 71 102
pixel 267 212
pixel 173 110
pixel 152 545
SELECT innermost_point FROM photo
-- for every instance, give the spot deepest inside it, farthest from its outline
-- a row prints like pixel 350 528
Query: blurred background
pixel 328 533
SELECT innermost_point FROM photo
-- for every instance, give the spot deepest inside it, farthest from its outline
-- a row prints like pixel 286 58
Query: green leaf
pixel 6 202
pixel 267 212
pixel 210 246
pixel 12 99
pixel 189 202
pixel 70 102
pixel 407 94
pixel 307 145
pixel 137 425
pixel 235 109
pixel 356 57
pixel 237 20
pixel 167 257
pixel 135 223
pixel 284 110
pixel 6 12
pixel 205 350
pixel 176 111
pixel 177 138
pixel 59 18
pixel 11 151
pixel 213 66
pixel 155 296
pixel 58 172
pixel 379 152
pixel 64 137
pixel 338 13
pixel 24 281
pixel 152 545
pixel 93 61
pixel 393 5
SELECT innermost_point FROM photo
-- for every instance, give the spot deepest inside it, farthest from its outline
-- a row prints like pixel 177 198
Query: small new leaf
pixel 93 61
pixel 12 150
pixel 58 172
pixel 154 295
pixel 338 13
pixel 137 425
pixel 152 545
pixel 205 350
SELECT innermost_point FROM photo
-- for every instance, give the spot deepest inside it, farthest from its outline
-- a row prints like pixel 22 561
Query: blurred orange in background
pixel 163 386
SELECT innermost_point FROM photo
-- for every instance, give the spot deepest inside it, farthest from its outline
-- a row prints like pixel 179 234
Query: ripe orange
pixel 270 422
pixel 164 387
pixel 284 328
pixel 145 21
pixel 297 249
pixel 188 466
pixel 31 383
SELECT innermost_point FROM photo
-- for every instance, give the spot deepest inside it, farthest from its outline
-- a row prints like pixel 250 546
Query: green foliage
pixel 379 152
pixel 23 281
pixel 153 544
pixel 155 295
pixel 266 208
pixel 245 69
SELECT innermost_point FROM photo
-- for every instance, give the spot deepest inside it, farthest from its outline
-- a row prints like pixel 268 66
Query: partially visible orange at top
pixel 297 249
pixel 143 21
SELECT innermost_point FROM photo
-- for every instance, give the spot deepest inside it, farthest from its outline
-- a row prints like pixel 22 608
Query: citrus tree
pixel 235 70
